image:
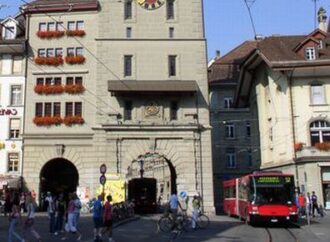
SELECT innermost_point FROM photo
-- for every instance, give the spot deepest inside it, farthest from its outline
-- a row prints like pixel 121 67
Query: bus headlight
pixel 255 210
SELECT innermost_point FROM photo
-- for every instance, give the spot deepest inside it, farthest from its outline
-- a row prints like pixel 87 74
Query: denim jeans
pixel 12 233
pixel 51 222
pixel 59 222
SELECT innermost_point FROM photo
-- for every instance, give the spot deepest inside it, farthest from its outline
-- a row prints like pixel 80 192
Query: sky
pixel 227 22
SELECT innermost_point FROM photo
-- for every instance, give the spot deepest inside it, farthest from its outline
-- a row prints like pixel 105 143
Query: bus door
pixel 237 197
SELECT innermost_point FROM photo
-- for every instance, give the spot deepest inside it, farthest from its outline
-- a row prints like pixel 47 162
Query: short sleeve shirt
pixel 174 203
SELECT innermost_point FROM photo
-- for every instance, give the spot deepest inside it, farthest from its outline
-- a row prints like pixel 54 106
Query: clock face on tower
pixel 150 4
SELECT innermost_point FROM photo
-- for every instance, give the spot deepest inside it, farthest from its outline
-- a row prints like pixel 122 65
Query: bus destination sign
pixel 273 179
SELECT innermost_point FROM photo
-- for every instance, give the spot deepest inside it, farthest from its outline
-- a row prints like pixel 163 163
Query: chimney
pixel 322 19
pixel 217 54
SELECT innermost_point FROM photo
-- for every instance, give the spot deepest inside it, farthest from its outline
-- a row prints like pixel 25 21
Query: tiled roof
pixel 225 69
pixel 276 49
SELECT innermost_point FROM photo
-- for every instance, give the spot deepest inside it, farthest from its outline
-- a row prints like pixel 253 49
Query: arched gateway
pixel 158 167
pixel 58 175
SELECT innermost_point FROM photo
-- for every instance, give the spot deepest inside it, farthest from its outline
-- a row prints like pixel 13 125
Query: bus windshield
pixel 272 190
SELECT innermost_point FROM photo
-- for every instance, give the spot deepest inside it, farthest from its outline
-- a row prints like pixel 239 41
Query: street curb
pixel 125 221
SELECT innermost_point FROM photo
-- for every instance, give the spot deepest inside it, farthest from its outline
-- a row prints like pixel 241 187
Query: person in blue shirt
pixel 174 204
pixel 97 218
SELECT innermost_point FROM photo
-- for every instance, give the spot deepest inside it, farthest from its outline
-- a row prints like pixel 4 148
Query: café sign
pixel 8 111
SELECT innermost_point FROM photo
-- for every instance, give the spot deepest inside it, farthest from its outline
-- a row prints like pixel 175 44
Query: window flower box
pixel 49 89
pixel 298 146
pixel 76 59
pixel 322 146
pixel 48 120
pixel 49 61
pixel 71 120
pixel 78 33
pixel 73 89
pixel 50 34
pixel 38 89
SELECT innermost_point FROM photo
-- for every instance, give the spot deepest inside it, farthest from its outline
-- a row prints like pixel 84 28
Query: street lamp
pixel 141 162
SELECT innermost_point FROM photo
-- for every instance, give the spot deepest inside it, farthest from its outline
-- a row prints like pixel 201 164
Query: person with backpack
pixel 107 218
pixel 97 218
pixel 14 218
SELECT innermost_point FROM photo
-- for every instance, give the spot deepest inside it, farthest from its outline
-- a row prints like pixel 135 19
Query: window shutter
pixel 15 123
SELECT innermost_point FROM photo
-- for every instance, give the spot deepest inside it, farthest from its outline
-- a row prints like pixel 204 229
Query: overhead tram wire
pixel 45 72
pixel 79 42
pixel 89 51
pixel 249 4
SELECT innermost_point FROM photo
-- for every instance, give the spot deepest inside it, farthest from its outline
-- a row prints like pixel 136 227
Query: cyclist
pixel 196 204
pixel 174 206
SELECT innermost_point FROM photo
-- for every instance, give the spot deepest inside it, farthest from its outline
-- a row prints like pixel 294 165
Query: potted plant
pixel 49 61
pixel 50 34
pixel 70 120
pixel 298 146
pixel 322 146
pixel 75 59
pixel 78 33
pixel 73 89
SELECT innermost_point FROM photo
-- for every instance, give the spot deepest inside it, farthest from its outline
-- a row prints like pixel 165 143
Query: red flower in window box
pixel 322 146
pixel 39 89
pixel 49 61
pixel 73 89
pixel 49 89
pixel 79 33
pixel 70 120
pixel 50 34
pixel 48 120
pixel 298 146
pixel 76 59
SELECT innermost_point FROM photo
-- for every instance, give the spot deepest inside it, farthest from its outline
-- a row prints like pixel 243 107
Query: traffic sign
pixel 103 180
pixel 103 169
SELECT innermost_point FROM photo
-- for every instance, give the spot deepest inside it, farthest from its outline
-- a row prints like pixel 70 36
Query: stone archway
pixel 57 176
pixel 155 165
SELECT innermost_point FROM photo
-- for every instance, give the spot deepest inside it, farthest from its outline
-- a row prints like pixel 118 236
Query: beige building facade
pixel 144 104
pixel 285 81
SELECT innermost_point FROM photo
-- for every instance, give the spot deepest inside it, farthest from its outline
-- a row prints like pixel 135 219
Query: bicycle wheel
pixel 187 224
pixel 203 221
pixel 165 224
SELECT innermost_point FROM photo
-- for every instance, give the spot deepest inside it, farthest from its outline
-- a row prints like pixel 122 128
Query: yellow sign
pixel 114 186
pixel 2 146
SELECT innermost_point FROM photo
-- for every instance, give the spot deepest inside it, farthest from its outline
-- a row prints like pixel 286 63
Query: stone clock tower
pixel 152 105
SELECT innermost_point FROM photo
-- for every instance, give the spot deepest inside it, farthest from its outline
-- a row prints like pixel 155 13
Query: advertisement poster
pixel 114 186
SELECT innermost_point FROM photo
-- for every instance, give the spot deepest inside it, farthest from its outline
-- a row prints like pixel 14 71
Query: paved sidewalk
pixel 42 227
pixel 319 226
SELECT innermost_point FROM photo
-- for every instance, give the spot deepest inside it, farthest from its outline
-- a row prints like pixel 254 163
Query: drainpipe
pixel 289 76
pixel 26 54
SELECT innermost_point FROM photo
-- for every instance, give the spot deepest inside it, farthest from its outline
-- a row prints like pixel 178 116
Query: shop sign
pixel 8 111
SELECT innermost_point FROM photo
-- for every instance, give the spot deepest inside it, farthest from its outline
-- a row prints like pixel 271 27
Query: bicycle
pixel 183 222
pixel 202 221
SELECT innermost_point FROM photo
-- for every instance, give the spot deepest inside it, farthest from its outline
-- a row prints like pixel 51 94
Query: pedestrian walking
pixel 60 208
pixel 50 200
pixel 315 205
pixel 196 204
pixel 22 202
pixel 107 219
pixel 8 202
pixel 14 218
pixel 77 208
pixel 29 222
pixel 308 204
pixel 97 218
pixel 70 220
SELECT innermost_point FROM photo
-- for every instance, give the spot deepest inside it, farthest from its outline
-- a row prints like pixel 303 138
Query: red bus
pixel 261 197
